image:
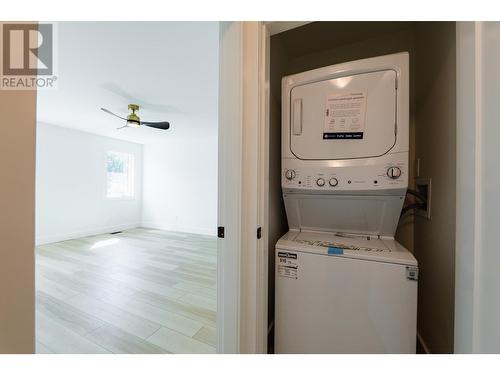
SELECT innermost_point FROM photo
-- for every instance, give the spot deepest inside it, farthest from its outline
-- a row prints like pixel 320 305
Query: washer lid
pixel 348 117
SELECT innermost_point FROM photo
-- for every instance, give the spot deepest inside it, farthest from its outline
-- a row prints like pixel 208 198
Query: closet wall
pixel 435 140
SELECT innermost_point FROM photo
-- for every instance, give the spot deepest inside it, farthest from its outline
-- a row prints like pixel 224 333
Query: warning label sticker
pixel 345 116
pixel 287 265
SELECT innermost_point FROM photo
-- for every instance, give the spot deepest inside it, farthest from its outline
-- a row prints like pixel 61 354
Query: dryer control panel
pixel 391 173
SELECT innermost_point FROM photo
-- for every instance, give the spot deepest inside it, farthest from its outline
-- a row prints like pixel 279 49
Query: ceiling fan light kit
pixel 134 121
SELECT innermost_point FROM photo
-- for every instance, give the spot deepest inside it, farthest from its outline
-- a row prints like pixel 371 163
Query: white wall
pixel 489 277
pixel 180 185
pixel 478 202
pixel 71 185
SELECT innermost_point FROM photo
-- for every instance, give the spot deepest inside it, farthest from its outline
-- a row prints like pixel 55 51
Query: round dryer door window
pixel 344 118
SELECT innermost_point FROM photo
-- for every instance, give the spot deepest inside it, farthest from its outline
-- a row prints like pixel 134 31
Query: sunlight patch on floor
pixel 104 243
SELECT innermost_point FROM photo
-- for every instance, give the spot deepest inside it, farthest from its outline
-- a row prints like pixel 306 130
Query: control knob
pixel 290 174
pixel 394 172
pixel 320 182
pixel 333 182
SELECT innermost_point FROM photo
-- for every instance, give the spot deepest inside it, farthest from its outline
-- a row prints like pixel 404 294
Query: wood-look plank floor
pixel 139 291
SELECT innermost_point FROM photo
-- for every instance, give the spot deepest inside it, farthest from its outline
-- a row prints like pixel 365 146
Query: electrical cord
pixel 415 205
pixel 411 207
pixel 417 194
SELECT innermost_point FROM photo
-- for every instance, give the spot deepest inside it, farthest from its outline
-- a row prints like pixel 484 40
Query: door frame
pixel 238 286
pixel 229 186
pixel 468 198
pixel 476 283
pixel 242 306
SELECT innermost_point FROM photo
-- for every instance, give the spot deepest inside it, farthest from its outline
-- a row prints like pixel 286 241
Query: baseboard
pixel 423 344
pixel 178 228
pixel 51 238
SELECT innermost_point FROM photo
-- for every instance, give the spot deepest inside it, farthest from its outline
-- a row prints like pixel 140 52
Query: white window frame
pixel 132 179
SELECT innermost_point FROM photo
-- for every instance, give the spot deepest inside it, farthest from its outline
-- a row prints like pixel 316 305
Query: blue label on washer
pixel 335 250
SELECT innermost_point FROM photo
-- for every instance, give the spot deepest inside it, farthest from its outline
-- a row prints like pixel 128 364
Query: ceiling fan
pixel 132 120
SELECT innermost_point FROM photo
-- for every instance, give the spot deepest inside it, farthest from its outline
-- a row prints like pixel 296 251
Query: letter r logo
pixel 27 49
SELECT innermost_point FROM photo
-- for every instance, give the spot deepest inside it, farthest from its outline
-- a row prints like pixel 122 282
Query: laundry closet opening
pixel 428 232
pixel 126 204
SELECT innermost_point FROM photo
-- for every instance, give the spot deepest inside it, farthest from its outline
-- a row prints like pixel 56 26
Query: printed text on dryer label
pixel 345 116
pixel 287 265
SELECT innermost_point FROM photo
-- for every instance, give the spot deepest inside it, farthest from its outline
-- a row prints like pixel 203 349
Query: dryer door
pixel 344 118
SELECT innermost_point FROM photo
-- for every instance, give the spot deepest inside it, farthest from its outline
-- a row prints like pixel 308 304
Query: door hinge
pixel 259 233
pixel 220 232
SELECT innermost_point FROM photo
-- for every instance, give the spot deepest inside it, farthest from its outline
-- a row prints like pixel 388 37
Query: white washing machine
pixel 343 284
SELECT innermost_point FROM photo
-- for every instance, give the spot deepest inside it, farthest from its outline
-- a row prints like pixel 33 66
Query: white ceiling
pixel 169 68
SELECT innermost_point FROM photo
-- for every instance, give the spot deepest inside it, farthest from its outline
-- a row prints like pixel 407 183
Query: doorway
pixel 126 252
pixel 432 50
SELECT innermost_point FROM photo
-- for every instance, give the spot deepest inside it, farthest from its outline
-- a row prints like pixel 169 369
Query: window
pixel 119 175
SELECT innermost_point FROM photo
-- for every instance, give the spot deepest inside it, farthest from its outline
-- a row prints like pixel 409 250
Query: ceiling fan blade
pixel 111 113
pixel 157 125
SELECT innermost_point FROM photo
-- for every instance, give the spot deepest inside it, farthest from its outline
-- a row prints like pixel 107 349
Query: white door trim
pixel 468 200
pixel 255 188
pixel 255 193
pixel 229 182
pixel 244 184
pixel 252 285
pixel 263 186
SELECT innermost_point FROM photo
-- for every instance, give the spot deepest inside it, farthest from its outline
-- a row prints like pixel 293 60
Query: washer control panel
pixel 387 176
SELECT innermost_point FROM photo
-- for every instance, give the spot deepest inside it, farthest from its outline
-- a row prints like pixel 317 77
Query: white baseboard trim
pixel 51 238
pixel 178 228
pixel 424 345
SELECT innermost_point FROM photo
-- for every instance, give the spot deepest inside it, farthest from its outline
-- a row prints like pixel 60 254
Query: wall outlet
pixel 423 186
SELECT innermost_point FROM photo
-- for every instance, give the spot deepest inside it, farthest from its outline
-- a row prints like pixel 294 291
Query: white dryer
pixel 343 284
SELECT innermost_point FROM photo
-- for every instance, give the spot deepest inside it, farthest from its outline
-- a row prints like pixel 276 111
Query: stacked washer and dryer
pixel 343 284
